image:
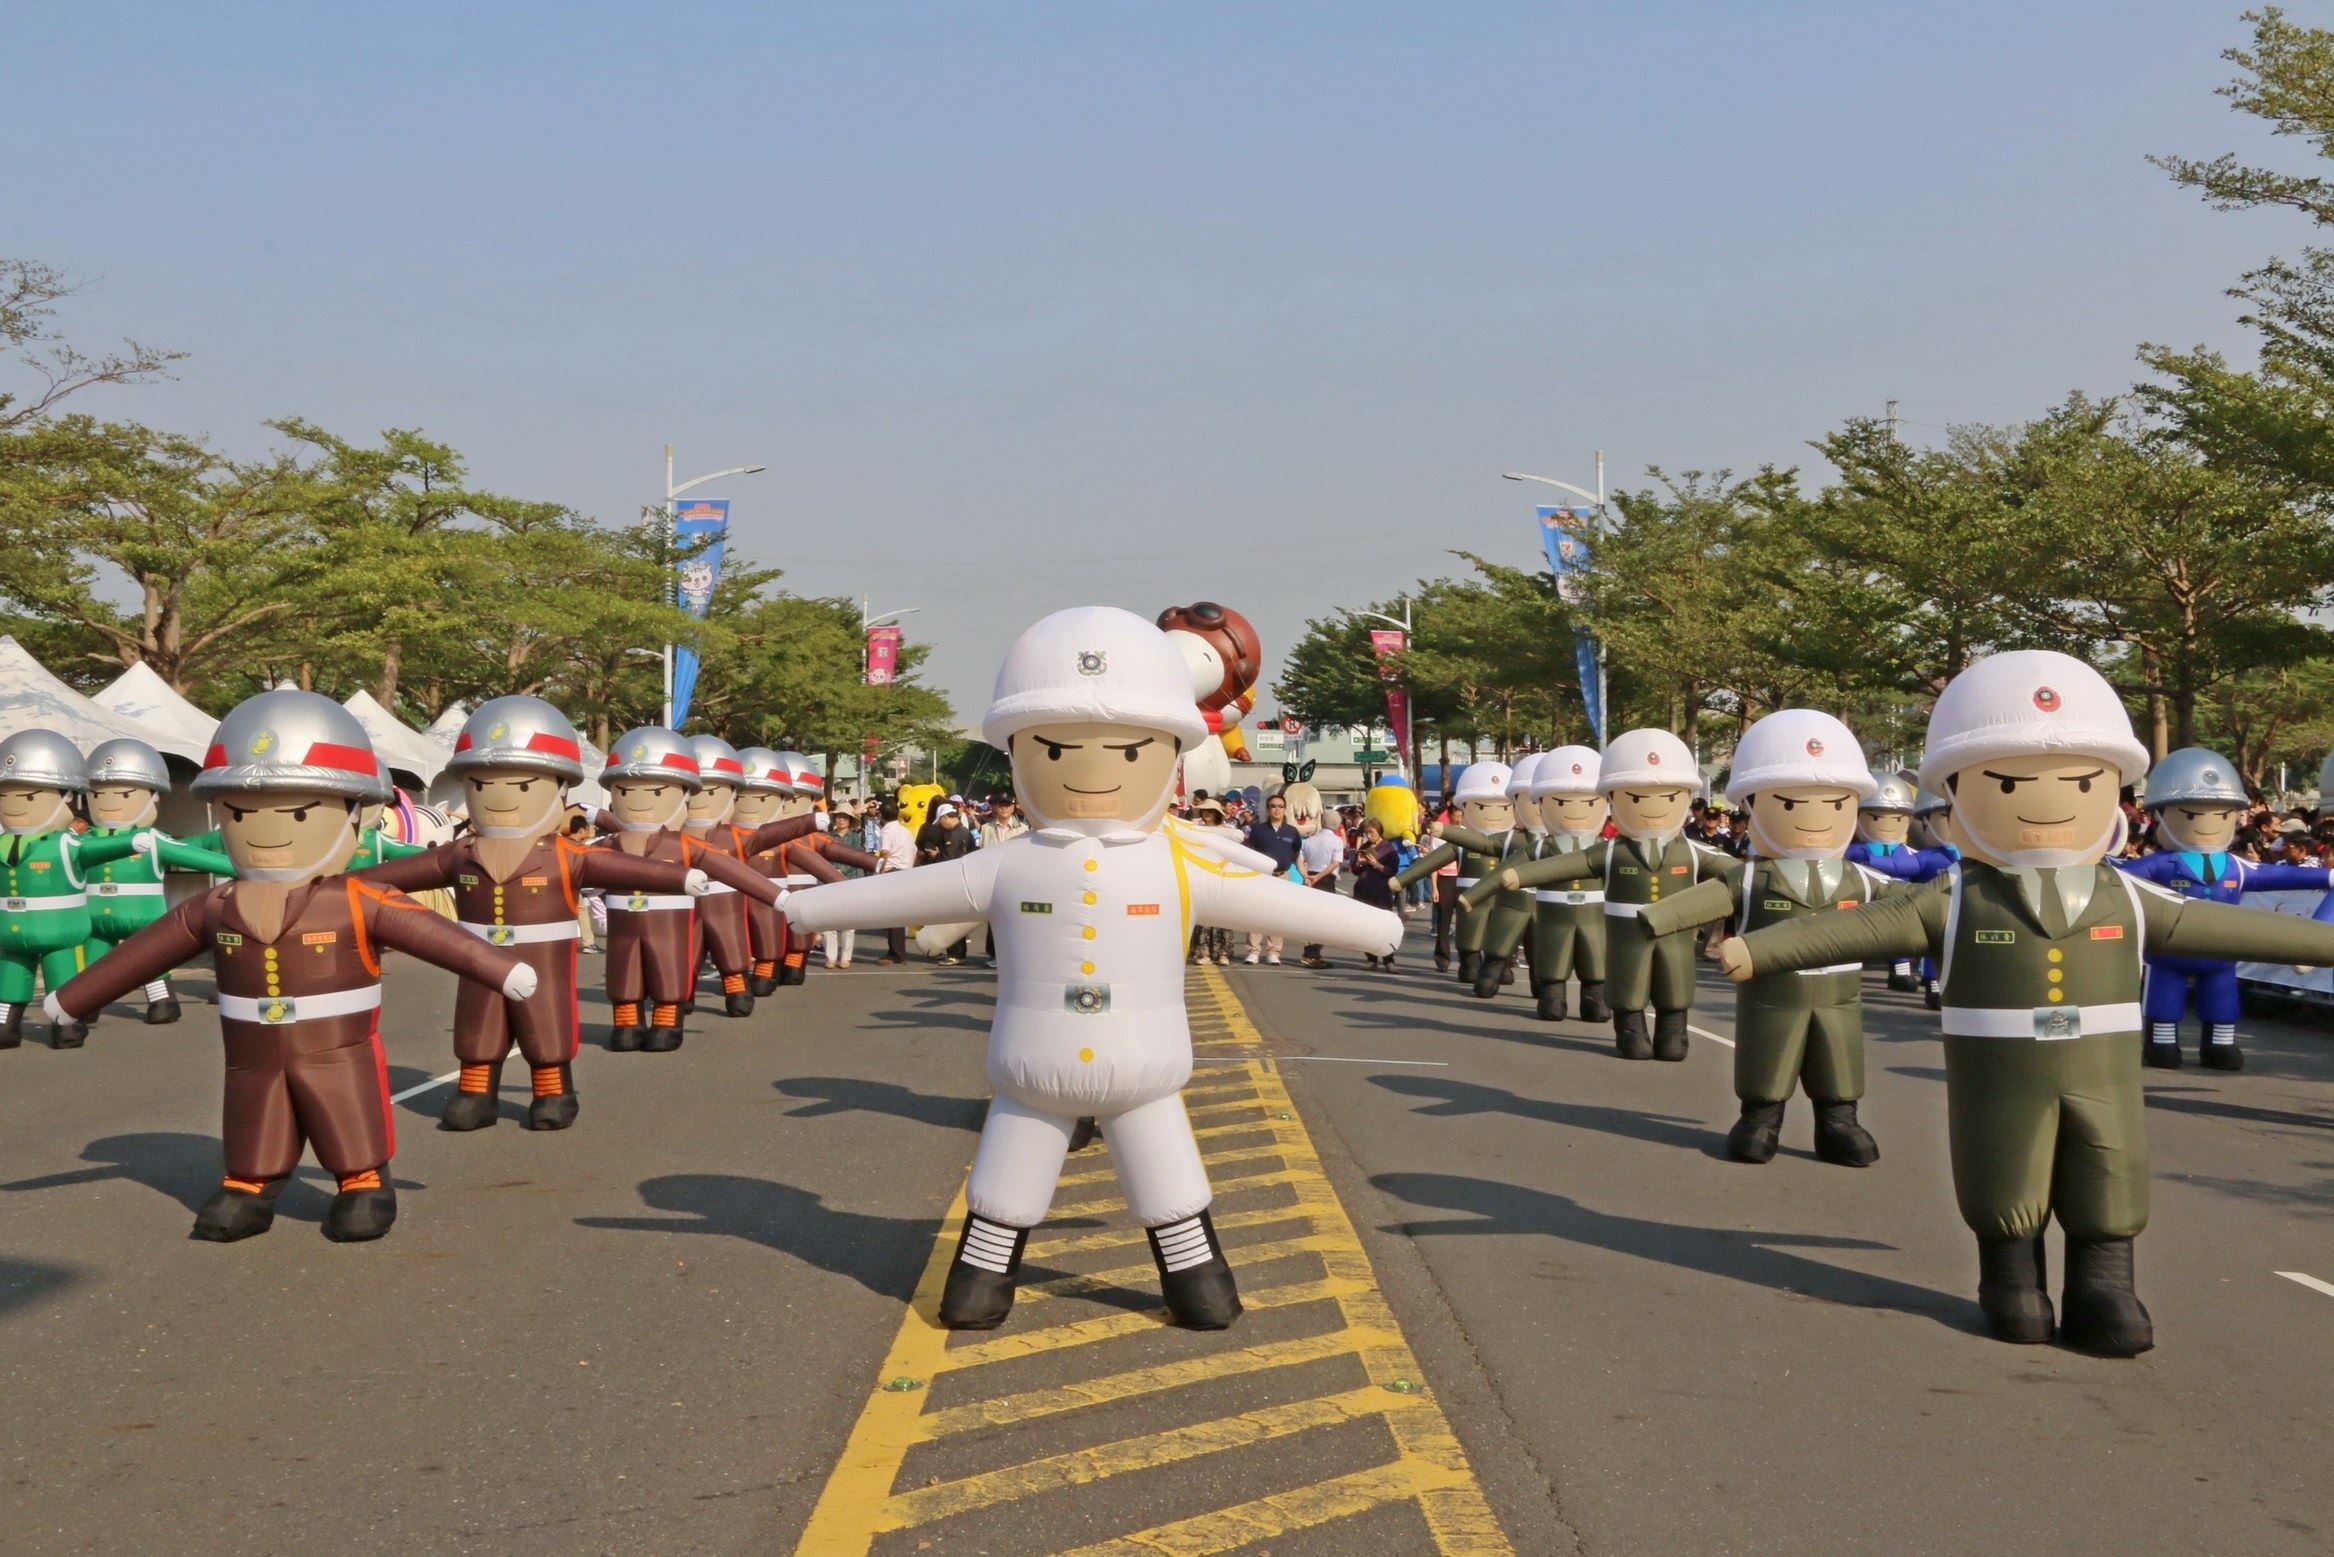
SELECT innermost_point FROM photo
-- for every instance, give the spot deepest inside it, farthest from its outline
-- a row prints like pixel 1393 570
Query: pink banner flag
pixel 1387 644
pixel 883 655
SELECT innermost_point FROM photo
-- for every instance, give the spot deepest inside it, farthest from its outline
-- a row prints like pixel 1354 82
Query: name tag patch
pixel 1037 908
pixel 228 938
pixel 1678 870
pixel 1849 902
pixel 1627 870
pixel 1776 905
pixel 534 881
pixel 2106 932
pixel 1995 937
pixel 1140 909
pixel 320 938
pixel 466 881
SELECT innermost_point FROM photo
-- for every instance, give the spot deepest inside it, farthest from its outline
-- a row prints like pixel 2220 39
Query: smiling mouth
pixel 2057 822
pixel 1075 790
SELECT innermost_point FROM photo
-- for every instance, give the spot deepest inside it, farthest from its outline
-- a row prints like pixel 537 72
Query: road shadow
pixel 1751 1256
pixel 884 1254
pixel 905 1019
pixel 184 1168
pixel 2196 1100
pixel 429 1105
pixel 26 1283
pixel 1448 1098
pixel 1527 1030
pixel 853 1095
pixel 1919 1072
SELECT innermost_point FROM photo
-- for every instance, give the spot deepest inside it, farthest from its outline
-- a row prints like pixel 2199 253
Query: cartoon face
pixel 513 802
pixel 2013 804
pixel 799 805
pixel 648 802
pixel 756 806
pixel 31 808
pixel 1206 662
pixel 1495 815
pixel 1221 647
pixel 712 805
pixel 277 835
pixel 121 805
pixel 916 802
pixel 1884 826
pixel 1094 772
pixel 2203 826
pixel 1305 806
pixel 1394 807
pixel 1580 815
pixel 1800 819
pixel 1650 811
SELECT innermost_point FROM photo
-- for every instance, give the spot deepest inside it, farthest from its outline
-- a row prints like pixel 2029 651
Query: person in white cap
pixel 1649 779
pixel 1092 911
pixel 1568 922
pixel 1799 776
pixel 2040 944
pixel 1480 841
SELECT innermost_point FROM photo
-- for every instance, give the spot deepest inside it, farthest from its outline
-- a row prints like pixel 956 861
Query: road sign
pixel 1373 756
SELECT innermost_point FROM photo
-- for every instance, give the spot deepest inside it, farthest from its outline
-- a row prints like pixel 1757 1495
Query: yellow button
pixel 1088 932
pixel 2057 974
pixel 2058 994
pixel 1091 898
pixel 2056 955
pixel 1085 967
pixel 1093 864
pixel 1087 1055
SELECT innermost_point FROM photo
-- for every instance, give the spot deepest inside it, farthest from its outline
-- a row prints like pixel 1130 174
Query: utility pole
pixel 1891 418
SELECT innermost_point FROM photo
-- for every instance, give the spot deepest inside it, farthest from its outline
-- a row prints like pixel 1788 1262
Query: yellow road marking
pixel 863 1497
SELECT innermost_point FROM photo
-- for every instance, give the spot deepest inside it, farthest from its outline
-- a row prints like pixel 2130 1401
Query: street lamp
pixel 671 492
pixel 1597 497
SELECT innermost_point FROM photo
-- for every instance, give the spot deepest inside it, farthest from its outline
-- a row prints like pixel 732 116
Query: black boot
pixel 555 1110
pixel 1085 1133
pixel 232 1214
pixel 474 1110
pixel 1470 966
pixel 2013 1287
pixel 625 1040
pixel 1903 983
pixel 2099 1311
pixel 1841 1139
pixel 1442 962
pixel 1757 1133
pixel 739 1004
pixel 793 972
pixel 360 1215
pixel 762 987
pixel 2218 1056
pixel 1931 996
pixel 162 1011
pixel 1669 1035
pixel 979 1293
pixel 1194 1276
pixel 1550 1003
pixel 1629 1036
pixel 1507 970
pixel 1592 1001
pixel 2162 1050
pixel 1492 972
pixel 12 1030
pixel 68 1034
pixel 661 1040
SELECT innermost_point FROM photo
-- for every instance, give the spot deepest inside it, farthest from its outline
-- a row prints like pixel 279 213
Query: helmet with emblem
pixel 1567 770
pixel 1646 759
pixel 124 760
pixel 717 760
pixel 766 772
pixel 2029 703
pixel 1897 794
pixel 1792 747
pixel 289 740
pixel 1093 664
pixel 801 778
pixel 2194 775
pixel 519 732
pixel 1521 774
pixel 45 759
pixel 1482 781
pixel 652 753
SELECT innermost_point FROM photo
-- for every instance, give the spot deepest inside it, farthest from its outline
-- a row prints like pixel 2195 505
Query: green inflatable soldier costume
pixel 2039 945
pixel 1481 839
pixel 1649 779
pixel 123 855
pixel 1510 918
pixel 44 908
pixel 1799 775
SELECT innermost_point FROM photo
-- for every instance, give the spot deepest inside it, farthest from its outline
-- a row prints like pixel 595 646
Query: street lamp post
pixel 866 621
pixel 1604 700
pixel 1404 624
pixel 671 492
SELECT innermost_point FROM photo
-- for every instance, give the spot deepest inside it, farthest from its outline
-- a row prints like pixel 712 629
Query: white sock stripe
pixel 2224 1032
pixel 158 990
pixel 990 1242
pixel 2163 1032
pixel 1183 1244
pixel 972 1255
pixel 6 1011
pixel 1198 1256
pixel 1177 1237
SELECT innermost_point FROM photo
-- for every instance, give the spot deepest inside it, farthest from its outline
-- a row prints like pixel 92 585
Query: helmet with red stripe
pixel 652 753
pixel 519 732
pixel 767 771
pixel 291 740
pixel 802 779
pixel 717 761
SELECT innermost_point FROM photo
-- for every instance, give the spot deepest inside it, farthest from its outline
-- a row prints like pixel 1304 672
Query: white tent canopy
pixel 397 744
pixel 447 727
pixel 31 698
pixel 159 711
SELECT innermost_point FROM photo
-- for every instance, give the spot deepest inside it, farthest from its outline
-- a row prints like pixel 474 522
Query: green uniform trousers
pixel 2039 1127
pixel 1788 1036
pixel 1568 942
pixel 1509 917
pixel 53 965
pixel 1648 969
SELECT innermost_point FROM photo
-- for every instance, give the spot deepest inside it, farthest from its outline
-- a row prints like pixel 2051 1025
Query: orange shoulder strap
pixel 356 919
pixel 560 848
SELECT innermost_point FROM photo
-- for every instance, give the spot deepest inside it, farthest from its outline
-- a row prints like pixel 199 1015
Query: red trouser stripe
pixel 381 1072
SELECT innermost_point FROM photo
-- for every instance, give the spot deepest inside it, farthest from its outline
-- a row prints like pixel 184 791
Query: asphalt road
pixel 657 1332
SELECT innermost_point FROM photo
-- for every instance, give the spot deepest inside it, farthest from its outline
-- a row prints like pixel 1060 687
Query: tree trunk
pixel 392 661
pixel 2159 723
pixel 1444 735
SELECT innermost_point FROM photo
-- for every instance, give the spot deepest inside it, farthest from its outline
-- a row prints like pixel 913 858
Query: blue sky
pixel 1031 305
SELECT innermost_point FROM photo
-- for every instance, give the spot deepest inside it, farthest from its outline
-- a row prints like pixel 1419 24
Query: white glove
pixel 146 843
pixel 519 983
pixel 58 1016
pixel 935 939
pixel 698 883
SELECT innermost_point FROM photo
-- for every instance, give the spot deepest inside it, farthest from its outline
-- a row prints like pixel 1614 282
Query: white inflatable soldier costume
pixel 1091 912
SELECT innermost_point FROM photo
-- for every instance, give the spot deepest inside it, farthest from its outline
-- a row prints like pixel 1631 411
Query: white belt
pixel 647 903
pixel 1625 910
pixel 793 881
pixel 522 934
pixel 36 905
pixel 125 889
pixel 1467 881
pixel 1837 967
pixel 1545 895
pixel 2044 1022
pixel 716 888
pixel 279 1010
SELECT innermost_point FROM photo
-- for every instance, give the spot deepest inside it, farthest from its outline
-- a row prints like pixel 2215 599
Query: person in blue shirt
pixel 2196 799
pixel 1277 838
pixel 1883 824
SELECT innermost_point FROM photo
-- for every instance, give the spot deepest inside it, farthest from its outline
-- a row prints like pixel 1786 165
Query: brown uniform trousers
pixel 294 1081
pixel 805 860
pixel 653 951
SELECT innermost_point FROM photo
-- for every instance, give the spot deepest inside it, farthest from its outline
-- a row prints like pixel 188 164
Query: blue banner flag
pixel 700 532
pixel 1564 539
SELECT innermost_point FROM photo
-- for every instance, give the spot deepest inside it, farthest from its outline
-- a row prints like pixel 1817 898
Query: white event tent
pixel 159 711
pixel 401 748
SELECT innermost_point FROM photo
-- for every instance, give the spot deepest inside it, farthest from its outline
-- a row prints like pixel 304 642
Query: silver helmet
pixel 1897 794
pixel 519 732
pixel 126 761
pixel 717 760
pixel 292 740
pixel 2194 774
pixel 801 777
pixel 650 752
pixel 45 759
pixel 1927 802
pixel 766 771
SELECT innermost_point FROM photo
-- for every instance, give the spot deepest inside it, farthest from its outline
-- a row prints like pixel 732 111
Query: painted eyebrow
pixel 1147 740
pixel 2081 778
pixel 2007 778
pixel 1061 745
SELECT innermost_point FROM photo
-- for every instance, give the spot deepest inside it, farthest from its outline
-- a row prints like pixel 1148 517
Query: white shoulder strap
pixel 1952 925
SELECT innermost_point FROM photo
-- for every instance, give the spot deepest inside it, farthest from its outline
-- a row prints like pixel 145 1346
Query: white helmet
pixel 1093 663
pixel 1568 770
pixel 1645 758
pixel 1794 746
pixel 2029 703
pixel 1481 781
pixel 1519 777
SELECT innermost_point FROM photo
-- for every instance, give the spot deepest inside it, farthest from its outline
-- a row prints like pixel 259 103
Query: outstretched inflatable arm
pixel 953 892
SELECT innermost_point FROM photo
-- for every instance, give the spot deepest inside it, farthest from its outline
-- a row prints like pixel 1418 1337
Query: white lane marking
pixel 416 1091
pixel 2312 1282
pixel 1337 1059
pixel 1704 1032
